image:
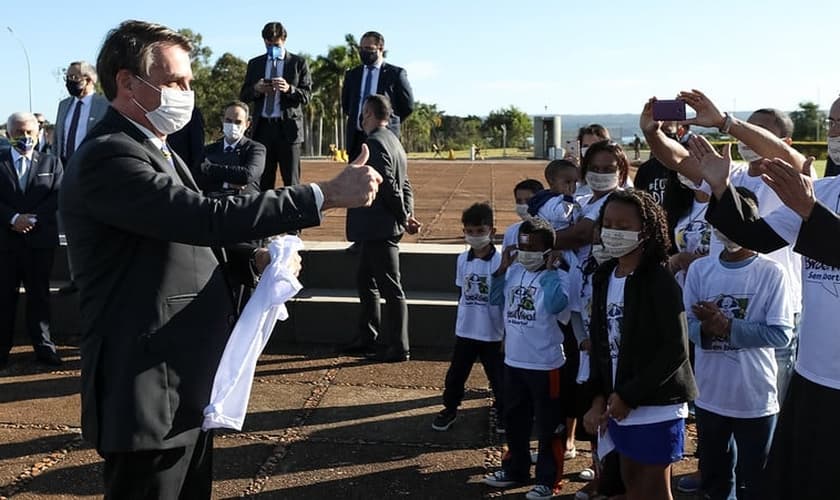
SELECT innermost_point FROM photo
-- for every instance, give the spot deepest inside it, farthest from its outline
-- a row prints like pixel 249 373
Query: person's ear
pixel 125 81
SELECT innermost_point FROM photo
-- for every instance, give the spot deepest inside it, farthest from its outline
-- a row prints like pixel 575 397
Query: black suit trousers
pixel 32 267
pixel 379 275
pixel 177 473
pixel 279 152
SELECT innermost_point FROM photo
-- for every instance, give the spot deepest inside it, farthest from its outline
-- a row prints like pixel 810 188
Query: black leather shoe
pixel 353 249
pixel 49 358
pixel 389 356
pixel 68 289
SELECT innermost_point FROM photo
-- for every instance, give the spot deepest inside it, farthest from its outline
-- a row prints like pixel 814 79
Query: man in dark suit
pixel 378 230
pixel 278 84
pixel 374 76
pixel 80 112
pixel 29 183
pixel 234 164
pixel 188 143
pixel 155 306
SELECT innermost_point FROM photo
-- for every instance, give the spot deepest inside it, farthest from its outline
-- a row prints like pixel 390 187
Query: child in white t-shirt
pixel 522 193
pixel 478 328
pixel 557 204
pixel 639 368
pixel 738 312
pixel 532 294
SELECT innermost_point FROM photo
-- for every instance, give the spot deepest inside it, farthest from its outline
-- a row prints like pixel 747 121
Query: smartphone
pixel 573 148
pixel 669 110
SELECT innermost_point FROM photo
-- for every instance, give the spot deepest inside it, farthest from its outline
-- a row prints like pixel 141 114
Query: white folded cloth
pixel 235 375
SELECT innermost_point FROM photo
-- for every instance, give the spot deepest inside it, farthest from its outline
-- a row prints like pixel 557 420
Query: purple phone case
pixel 669 110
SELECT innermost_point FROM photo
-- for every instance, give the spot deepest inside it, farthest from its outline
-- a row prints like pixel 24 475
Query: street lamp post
pixel 28 68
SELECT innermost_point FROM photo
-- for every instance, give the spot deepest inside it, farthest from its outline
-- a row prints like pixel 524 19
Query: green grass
pixel 464 154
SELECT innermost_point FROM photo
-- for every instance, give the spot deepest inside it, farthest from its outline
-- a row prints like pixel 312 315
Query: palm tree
pixel 330 79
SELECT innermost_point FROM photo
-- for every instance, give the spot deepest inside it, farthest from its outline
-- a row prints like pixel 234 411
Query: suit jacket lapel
pixel 183 172
pixel 34 166
pixel 9 170
pixel 383 74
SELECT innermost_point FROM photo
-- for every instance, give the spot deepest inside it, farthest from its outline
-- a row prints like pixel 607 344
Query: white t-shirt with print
pixel 768 202
pixel 640 415
pixel 693 234
pixel 476 318
pixel 738 382
pixel 819 344
pixel 533 339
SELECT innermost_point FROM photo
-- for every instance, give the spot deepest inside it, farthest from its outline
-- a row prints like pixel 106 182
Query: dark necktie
pixel 366 92
pixel 70 146
pixel 269 98
pixel 228 149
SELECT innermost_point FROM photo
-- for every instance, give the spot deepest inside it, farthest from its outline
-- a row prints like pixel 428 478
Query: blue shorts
pixel 660 443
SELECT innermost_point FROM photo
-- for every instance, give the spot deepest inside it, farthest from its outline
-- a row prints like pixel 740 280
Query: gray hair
pixel 132 46
pixel 782 121
pixel 20 117
pixel 86 69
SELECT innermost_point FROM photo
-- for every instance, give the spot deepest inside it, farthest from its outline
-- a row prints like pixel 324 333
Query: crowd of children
pixel 615 309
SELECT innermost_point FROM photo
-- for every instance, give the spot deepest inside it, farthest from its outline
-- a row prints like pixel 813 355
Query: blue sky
pixel 472 57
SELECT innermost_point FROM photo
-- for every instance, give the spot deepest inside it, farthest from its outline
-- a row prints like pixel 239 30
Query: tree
pixel 519 127
pixel 808 122
pixel 329 79
pixel 419 130
pixel 215 85
pixel 459 133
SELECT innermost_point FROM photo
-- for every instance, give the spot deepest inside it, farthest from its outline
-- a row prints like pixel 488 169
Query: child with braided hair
pixel 639 370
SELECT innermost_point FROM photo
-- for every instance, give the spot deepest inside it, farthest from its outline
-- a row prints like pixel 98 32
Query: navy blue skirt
pixel 660 443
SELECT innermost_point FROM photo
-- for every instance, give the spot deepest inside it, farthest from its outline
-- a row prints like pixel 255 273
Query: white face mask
pixel 834 149
pixel 232 131
pixel 531 260
pixel 730 245
pixel 618 243
pixel 174 112
pixel 477 242
pixel 747 154
pixel 602 182
pixel 599 253
pixel 522 211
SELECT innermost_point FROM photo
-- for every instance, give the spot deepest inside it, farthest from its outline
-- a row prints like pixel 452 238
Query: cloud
pixel 422 70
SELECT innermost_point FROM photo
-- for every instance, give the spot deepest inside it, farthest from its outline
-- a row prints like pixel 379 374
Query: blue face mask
pixel 24 143
pixel 274 52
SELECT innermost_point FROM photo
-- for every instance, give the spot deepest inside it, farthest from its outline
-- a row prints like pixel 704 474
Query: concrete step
pixel 331 316
pixel 423 267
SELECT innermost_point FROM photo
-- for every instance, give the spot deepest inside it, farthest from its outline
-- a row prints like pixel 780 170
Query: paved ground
pixel 319 426
pixel 442 190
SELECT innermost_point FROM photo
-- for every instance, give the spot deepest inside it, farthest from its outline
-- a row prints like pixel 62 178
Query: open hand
pixel 713 167
pixel 794 189
pixel 708 115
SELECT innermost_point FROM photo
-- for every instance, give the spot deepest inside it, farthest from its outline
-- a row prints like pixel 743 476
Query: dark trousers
pixel 379 275
pixel 354 146
pixel 463 357
pixel 532 397
pixel 733 454
pixel 32 267
pixel 177 473
pixel 803 457
pixel 279 151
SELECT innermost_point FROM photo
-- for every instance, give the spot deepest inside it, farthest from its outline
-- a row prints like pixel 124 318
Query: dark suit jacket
pixel 156 307
pixel 393 83
pixel 189 141
pixel 40 198
pixel 296 73
pixel 394 202
pixel 98 106
pixel 243 166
